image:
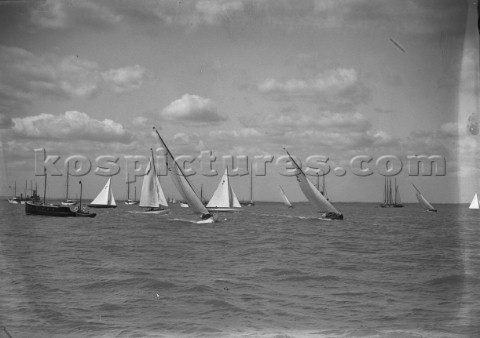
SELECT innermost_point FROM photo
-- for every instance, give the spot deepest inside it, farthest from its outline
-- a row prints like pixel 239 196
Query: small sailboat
pixel 224 198
pixel 391 198
pixel 474 204
pixel 105 198
pixel 152 197
pixel 186 188
pixel 67 200
pixel 251 203
pixel 285 198
pixel 15 199
pixel 314 196
pixel 423 201
pixel 128 201
pixel 82 211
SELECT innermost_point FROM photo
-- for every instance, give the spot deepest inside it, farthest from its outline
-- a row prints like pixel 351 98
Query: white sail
pixel 183 184
pixel 474 204
pixel 224 196
pixel 105 197
pixel 152 195
pixel 284 198
pixel 422 200
pixel 314 196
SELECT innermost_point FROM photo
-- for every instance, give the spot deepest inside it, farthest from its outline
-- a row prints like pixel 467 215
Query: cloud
pixel 411 17
pixel 55 14
pixel 125 79
pixel 25 76
pixel 72 125
pixel 192 108
pixel 339 87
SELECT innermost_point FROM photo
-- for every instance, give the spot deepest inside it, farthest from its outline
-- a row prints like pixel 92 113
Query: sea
pixel 267 271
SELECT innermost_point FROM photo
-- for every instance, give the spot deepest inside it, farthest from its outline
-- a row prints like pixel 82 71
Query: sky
pixel 334 79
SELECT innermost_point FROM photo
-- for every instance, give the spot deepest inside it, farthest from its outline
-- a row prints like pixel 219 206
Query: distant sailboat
pixel 251 203
pixel 474 204
pixel 67 200
pixel 152 196
pixel 314 196
pixel 323 191
pixel 391 198
pixel 224 198
pixel 285 199
pixel 185 187
pixel 423 201
pixel 128 201
pixel 105 198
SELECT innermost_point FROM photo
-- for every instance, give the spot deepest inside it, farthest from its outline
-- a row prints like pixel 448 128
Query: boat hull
pixel 98 206
pixel 224 209
pixel 157 212
pixel 131 202
pixel 48 210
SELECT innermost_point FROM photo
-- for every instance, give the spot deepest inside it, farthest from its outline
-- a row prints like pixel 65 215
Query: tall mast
pixel 128 188
pixel 45 173
pixel 251 182
pixel 66 195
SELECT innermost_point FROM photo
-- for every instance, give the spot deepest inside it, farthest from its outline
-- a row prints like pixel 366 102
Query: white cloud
pixel 339 87
pixel 125 79
pixel 25 76
pixel 56 14
pixel 72 125
pixel 192 108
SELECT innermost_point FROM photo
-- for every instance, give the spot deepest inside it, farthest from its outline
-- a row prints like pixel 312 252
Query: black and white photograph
pixel 240 168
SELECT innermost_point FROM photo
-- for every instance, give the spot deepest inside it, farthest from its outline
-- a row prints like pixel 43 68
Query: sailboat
pixel 105 198
pixel 251 203
pixel 475 204
pixel 324 187
pixel 15 199
pixel 82 211
pixel 129 201
pixel 391 199
pixel 185 187
pixel 68 201
pixel 423 201
pixel 314 196
pixel 285 198
pixel 152 197
pixel 224 198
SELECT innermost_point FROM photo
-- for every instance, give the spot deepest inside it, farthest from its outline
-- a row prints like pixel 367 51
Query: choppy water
pixel 265 272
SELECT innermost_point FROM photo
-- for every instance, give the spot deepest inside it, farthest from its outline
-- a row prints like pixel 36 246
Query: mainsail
pixel 474 204
pixel 152 194
pixel 422 200
pixel 105 197
pixel 284 198
pixel 224 196
pixel 314 196
pixel 183 184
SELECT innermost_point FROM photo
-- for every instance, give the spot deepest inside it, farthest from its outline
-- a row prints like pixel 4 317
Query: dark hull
pixel 98 206
pixel 85 214
pixel 48 210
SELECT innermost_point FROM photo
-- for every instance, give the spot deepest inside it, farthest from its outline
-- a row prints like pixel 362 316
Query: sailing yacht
pixel 105 198
pixel 185 187
pixel 128 201
pixel 285 198
pixel 224 198
pixel 475 204
pixel 423 201
pixel 67 200
pixel 251 203
pixel 391 198
pixel 152 197
pixel 314 196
